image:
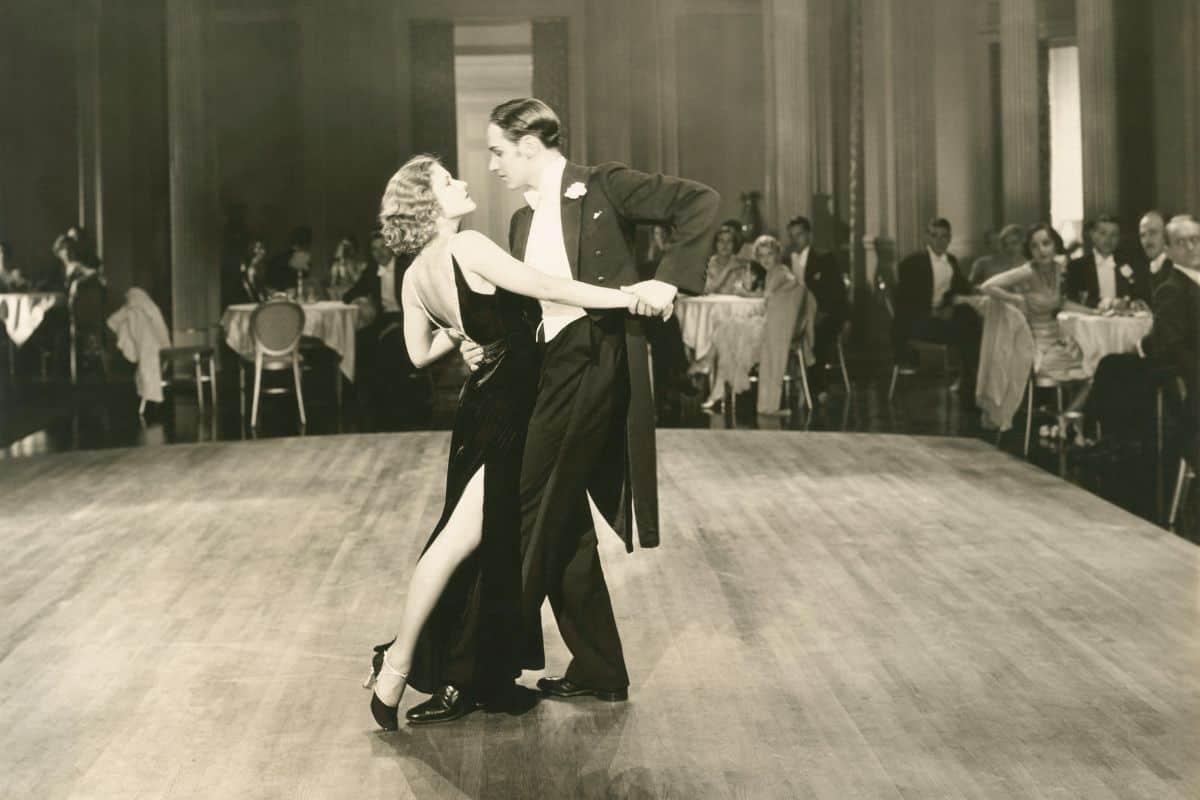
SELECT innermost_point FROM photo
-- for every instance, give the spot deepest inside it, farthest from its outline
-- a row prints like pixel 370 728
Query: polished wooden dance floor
pixel 830 615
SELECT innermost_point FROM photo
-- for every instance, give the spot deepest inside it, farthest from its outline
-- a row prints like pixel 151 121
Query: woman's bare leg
pixel 457 540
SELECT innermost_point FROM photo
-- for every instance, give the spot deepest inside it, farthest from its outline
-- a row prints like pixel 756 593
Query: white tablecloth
pixel 330 321
pixel 1099 336
pixel 700 316
pixel 23 312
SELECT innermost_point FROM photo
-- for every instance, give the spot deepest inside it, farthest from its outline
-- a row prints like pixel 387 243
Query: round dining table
pixel 332 322
pixel 1099 335
pixel 700 316
pixel 23 312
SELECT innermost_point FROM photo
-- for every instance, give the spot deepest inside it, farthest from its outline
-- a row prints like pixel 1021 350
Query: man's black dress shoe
pixel 446 705
pixel 561 687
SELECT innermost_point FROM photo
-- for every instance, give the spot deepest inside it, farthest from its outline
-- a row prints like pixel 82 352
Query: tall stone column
pixel 789 178
pixel 195 213
pixel 1096 33
pixel 1019 93
pixel 914 125
pixel 878 99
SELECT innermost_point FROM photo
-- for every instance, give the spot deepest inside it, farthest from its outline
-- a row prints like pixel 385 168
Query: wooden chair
pixel 201 356
pixel 276 327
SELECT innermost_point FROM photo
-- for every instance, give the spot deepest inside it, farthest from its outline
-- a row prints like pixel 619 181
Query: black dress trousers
pixel 576 442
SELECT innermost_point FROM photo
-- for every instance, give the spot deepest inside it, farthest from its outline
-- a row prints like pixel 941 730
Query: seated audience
pixel 1036 287
pixel 385 390
pixel 931 305
pixel 289 270
pixel 254 273
pixel 819 271
pixel 1010 244
pixel 85 250
pixel 1157 265
pixel 70 271
pixel 347 267
pixel 1122 397
pixel 729 273
pixel 1099 276
pixel 11 279
pixel 737 342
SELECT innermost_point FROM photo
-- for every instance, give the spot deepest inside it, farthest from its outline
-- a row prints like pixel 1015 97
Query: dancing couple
pixel 557 409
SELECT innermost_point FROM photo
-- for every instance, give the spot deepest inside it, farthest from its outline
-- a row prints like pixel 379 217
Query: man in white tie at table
pixel 1102 274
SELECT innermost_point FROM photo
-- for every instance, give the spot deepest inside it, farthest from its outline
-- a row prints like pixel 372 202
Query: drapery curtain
pixel 550 69
pixel 434 123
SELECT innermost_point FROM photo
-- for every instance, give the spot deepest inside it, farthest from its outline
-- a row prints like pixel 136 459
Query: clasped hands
pixel 651 299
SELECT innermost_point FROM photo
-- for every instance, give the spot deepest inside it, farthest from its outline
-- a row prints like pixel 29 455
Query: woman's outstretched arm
pixel 485 258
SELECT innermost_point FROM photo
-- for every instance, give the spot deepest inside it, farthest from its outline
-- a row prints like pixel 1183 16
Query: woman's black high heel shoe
pixel 386 716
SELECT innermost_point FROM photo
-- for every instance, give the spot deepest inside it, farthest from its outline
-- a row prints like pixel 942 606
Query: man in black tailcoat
pixel 592 430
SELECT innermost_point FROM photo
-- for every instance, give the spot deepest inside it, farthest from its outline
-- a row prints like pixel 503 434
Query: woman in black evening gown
pixel 461 622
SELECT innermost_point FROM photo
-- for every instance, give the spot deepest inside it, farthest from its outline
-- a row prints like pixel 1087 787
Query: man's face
pixel 1012 245
pixel 1105 238
pixel 507 161
pixel 938 239
pixel 1184 248
pixel 799 237
pixel 724 243
pixel 380 252
pixel 1150 233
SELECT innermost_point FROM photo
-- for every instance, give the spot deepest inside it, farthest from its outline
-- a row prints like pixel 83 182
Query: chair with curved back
pixel 276 326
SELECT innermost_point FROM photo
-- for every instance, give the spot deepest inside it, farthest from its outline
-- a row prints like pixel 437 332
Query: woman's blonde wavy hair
pixel 408 212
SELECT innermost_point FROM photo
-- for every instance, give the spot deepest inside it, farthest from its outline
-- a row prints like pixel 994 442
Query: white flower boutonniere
pixel 1127 271
pixel 575 191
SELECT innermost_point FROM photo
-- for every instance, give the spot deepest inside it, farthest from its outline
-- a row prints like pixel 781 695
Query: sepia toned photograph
pixel 600 399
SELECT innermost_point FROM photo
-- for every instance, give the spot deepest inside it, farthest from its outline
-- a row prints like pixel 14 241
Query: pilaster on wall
pixel 87 117
pixel 1022 178
pixel 789 168
pixel 915 127
pixel 878 111
pixel 1176 29
pixel 195 234
pixel 1096 32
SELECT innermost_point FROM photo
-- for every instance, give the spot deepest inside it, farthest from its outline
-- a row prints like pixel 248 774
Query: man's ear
pixel 529 145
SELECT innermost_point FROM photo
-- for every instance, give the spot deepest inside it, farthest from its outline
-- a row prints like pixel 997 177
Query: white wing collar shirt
pixel 800 264
pixel 1106 275
pixel 545 250
pixel 943 276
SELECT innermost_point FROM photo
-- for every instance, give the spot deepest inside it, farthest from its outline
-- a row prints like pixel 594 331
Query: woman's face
pixel 767 256
pixel 257 251
pixel 724 244
pixel 451 194
pixel 1041 247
